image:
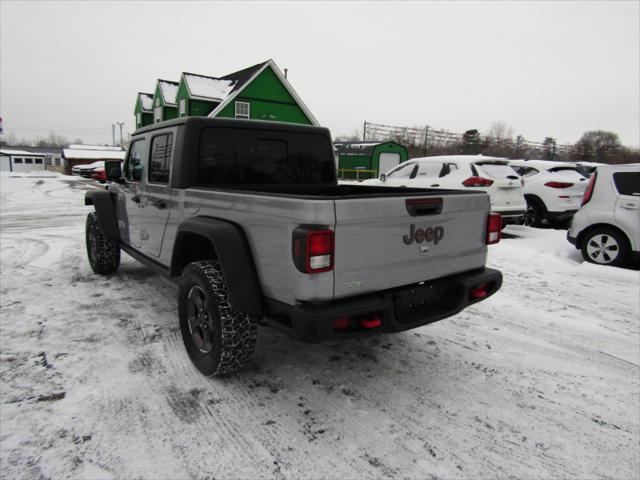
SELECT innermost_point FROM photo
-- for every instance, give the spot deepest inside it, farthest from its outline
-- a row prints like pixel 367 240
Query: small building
pixel 85 154
pixel 199 95
pixel 14 160
pixel 364 160
pixel 164 101
pixel 259 92
pixel 144 109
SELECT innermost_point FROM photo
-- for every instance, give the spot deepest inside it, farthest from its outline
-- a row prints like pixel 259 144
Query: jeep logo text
pixel 430 234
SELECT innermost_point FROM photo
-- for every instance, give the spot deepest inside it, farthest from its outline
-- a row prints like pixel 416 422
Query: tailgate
pixel 380 245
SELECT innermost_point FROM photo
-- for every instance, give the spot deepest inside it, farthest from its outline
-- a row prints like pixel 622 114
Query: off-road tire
pixel 218 339
pixel 104 255
pixel 594 240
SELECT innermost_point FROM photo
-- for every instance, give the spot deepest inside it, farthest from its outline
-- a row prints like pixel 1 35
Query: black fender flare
pixel 103 202
pixel 232 251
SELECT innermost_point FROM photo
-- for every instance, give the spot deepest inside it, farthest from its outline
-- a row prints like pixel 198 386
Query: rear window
pixel 563 169
pixel 627 183
pixel 496 170
pixel 229 156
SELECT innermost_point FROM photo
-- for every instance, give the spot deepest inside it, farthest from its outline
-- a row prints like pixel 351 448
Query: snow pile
pixel 540 381
pixel 209 87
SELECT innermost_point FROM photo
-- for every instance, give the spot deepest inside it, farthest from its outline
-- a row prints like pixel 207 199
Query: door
pixel 627 213
pixel 387 161
pixel 157 194
pixel 130 224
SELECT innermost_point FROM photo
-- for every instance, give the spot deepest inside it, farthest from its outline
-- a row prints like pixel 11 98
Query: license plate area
pixel 414 303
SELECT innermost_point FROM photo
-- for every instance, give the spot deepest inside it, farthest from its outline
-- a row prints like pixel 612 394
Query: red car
pixel 99 175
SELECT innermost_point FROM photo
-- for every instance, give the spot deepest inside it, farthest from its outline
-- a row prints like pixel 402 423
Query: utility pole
pixel 120 124
pixel 553 149
pixel 113 134
pixel 364 132
pixel 426 139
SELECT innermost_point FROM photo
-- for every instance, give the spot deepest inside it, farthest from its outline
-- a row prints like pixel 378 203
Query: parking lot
pixel 541 380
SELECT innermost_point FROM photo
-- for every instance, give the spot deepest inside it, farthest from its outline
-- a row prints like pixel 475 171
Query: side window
pixel 429 169
pixel 17 160
pixel 38 161
pixel 404 171
pixel 627 183
pixel 134 167
pixel 28 160
pixel 160 164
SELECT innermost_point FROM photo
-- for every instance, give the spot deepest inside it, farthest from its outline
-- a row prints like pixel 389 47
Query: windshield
pixel 233 156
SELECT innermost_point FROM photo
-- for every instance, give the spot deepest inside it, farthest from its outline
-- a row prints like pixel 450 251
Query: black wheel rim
pixel 200 320
pixel 529 217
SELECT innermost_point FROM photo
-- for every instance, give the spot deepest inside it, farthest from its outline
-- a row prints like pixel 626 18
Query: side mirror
pixel 383 177
pixel 113 171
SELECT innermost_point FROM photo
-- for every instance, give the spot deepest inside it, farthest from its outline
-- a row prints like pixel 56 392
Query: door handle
pixel 435 185
pixel 160 204
pixel 135 199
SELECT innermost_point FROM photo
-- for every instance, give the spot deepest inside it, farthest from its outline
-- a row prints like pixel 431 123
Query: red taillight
pixel 589 191
pixel 479 292
pixel 558 184
pixel 313 250
pixel 476 181
pixel 494 227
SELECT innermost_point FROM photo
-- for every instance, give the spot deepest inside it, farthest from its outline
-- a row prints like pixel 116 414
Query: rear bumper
pixel 398 309
pixel 509 216
pixel 565 215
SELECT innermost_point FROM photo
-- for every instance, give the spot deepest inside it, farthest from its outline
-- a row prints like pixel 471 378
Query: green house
pixel 363 160
pixel 199 95
pixel 144 109
pixel 164 101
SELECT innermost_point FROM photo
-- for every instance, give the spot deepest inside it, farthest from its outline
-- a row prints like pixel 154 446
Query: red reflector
pixel 564 196
pixel 558 184
pixel 478 292
pixel 372 322
pixel 494 227
pixel 341 323
pixel 476 181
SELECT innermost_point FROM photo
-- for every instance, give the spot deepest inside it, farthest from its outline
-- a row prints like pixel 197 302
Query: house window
pixel 157 102
pixel 139 119
pixel 17 160
pixel 38 161
pixel 183 107
pixel 242 109
pixel 28 160
pixel 157 114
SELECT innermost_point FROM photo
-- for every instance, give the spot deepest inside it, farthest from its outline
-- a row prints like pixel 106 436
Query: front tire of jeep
pixel 104 255
pixel 218 339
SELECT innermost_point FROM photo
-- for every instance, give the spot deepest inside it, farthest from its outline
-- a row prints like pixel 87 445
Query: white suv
pixel 607 226
pixel 475 172
pixel 553 190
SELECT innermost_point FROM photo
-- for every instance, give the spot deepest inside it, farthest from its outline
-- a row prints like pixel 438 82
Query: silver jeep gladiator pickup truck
pixel 249 218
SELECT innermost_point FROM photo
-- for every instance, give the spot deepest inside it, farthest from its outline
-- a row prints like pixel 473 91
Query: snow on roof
pixel 544 164
pixel 93 154
pixel 95 147
pixel 20 152
pixel 169 91
pixel 208 87
pixel 147 101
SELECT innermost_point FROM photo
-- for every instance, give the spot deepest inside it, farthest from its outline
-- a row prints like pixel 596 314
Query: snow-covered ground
pixel 540 381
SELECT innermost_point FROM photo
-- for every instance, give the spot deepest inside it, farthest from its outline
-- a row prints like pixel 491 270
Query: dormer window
pixel 183 107
pixel 242 110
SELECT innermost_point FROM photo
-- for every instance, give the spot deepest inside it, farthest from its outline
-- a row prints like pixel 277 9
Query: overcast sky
pixel 544 68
